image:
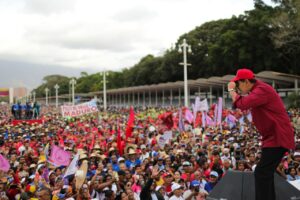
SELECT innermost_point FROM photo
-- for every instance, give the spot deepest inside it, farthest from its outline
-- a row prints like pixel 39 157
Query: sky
pixel 42 37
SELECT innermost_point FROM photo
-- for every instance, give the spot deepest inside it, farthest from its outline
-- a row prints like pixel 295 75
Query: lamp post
pixel 33 93
pixel 73 82
pixel 56 87
pixel 29 97
pixel 46 90
pixel 104 74
pixel 184 47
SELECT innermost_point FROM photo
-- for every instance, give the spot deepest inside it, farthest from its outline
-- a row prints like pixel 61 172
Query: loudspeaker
pixel 237 185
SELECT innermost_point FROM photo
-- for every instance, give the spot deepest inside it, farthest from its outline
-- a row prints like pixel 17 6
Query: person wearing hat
pixel 144 154
pixel 213 179
pixel 167 178
pixel 271 120
pixel 177 191
pixel 132 161
pixel 226 156
pixel 187 169
pixel 194 192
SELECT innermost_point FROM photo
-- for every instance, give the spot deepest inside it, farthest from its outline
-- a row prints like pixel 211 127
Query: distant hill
pixel 17 74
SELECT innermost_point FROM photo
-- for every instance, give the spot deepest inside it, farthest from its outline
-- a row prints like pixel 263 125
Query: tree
pixel 286 35
pixel 49 82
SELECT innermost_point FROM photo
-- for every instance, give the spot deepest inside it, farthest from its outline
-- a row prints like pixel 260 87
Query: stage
pixel 29 121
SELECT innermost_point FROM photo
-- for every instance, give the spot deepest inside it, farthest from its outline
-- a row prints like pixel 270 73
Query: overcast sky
pixel 93 35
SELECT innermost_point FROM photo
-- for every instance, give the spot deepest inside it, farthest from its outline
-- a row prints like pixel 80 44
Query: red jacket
pixel 269 115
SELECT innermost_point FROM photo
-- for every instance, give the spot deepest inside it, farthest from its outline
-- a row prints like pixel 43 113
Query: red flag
pixel 93 142
pixel 167 119
pixel 119 142
pixel 198 121
pixel 130 123
pixel 61 142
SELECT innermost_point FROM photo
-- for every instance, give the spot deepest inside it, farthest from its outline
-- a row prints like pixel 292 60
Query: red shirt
pixel 269 116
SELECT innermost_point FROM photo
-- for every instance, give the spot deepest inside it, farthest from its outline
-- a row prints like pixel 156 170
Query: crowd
pixel 130 162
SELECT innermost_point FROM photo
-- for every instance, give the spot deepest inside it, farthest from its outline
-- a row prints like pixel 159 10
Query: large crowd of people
pixel 148 160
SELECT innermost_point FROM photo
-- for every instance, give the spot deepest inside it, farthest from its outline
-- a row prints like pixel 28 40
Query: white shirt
pixel 144 156
pixel 176 198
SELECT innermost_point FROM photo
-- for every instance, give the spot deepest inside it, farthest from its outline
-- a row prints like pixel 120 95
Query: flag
pixel 231 120
pixel 4 164
pixel 203 119
pixel 44 157
pixel 45 174
pixel 198 120
pixel 119 141
pixel 196 108
pixel 73 166
pixel 209 120
pixel 130 123
pixel 189 116
pixel 219 113
pixel 4 92
pixel 249 117
pixel 61 141
pixel 180 121
pixel 167 119
pixel 59 157
pixel 215 114
pixel 241 121
pixel 203 105
pixel 93 142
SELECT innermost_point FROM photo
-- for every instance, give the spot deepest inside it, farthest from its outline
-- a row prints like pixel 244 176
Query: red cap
pixel 166 174
pixel 243 74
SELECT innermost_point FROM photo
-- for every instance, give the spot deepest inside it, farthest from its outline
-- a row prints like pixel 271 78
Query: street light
pixel 33 93
pixel 183 48
pixel 73 82
pixel 56 87
pixel 46 90
pixel 104 74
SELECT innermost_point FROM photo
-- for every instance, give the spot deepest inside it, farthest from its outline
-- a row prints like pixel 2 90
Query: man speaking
pixel 272 122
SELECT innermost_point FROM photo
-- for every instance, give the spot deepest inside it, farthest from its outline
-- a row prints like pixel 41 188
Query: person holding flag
pixel 272 122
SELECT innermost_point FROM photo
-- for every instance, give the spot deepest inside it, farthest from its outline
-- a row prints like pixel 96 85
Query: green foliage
pixel 49 82
pixel 265 38
pixel 294 100
pixel 286 34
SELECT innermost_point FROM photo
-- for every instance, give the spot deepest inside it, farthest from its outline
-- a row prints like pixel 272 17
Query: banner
pixel 59 157
pixel 80 109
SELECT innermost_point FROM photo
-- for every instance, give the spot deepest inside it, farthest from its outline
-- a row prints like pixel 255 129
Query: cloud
pixel 100 34
pixel 135 14
pixel 47 7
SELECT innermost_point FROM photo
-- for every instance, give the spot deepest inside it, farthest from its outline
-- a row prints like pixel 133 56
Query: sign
pixel 80 109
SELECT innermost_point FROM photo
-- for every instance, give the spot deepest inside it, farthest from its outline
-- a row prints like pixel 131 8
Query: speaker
pixel 237 185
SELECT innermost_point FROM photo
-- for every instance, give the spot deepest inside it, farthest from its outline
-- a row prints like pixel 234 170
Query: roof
pixel 281 79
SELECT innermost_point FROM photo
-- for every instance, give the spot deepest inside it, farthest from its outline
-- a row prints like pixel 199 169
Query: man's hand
pixel 155 172
pixel 231 89
pixel 231 86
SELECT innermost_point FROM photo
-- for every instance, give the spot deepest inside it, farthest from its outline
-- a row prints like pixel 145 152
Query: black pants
pixel 264 172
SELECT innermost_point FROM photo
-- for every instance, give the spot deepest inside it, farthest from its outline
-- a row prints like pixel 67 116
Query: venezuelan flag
pixel 4 92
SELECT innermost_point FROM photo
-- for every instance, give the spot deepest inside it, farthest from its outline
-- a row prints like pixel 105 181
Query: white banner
pixel 80 109
pixel 203 106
